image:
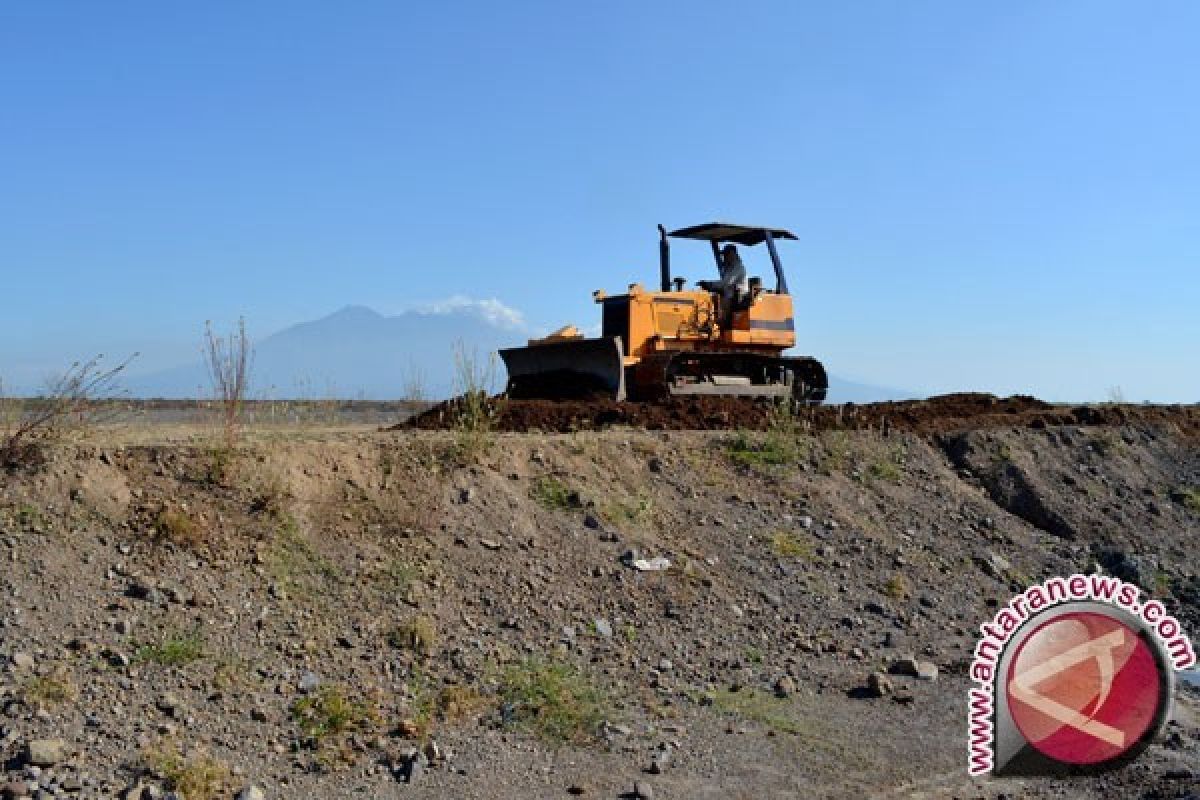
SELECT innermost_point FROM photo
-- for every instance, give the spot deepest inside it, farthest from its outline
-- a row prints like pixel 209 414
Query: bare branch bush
pixel 228 359
pixel 78 398
pixel 414 385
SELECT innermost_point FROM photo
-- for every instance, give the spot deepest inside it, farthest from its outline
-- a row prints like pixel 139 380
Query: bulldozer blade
pixel 567 369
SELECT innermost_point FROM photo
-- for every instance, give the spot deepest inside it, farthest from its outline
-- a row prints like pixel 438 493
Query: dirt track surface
pixel 945 413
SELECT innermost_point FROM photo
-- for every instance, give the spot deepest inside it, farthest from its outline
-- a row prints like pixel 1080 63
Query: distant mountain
pixel 358 352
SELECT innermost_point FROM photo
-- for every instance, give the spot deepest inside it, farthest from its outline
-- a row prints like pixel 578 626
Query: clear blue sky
pixel 997 196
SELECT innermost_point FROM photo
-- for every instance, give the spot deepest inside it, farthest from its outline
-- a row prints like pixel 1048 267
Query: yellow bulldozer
pixel 724 337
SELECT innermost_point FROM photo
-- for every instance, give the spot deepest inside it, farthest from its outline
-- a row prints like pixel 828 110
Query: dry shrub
pixel 195 775
pixel 228 360
pixel 178 527
pixel 72 401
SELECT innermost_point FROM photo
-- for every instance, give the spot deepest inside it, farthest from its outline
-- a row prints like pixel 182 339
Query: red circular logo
pixel 1084 688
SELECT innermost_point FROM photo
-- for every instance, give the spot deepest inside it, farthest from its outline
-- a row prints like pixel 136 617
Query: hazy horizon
pixel 998 198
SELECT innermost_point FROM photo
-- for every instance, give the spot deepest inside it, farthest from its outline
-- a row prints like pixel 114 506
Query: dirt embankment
pixel 309 614
pixel 951 412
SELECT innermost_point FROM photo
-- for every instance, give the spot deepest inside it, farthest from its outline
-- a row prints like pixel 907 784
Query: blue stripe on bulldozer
pixel 772 325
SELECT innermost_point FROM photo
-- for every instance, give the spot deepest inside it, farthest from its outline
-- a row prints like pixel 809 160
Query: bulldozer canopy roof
pixel 725 232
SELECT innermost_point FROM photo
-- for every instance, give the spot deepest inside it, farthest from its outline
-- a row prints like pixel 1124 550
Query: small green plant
pixel 898 587
pixel 837 452
pixel 787 545
pixel 754 655
pixel 1003 454
pixel 761 707
pixel 424 700
pixel 173 650
pixel 553 700
pixel 196 776
pixel 885 470
pixel 1188 497
pixel 635 511
pixel 783 442
pixel 295 563
pixel 398 575
pixel 553 494
pixel 329 712
pixel 418 635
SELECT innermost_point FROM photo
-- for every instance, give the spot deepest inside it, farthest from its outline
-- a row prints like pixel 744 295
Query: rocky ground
pixel 430 614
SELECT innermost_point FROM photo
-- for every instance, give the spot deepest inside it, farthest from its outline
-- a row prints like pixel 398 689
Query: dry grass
pixel 477 411
pixel 176 526
pixel 787 545
pixel 196 776
pixel 417 635
pixel 48 691
pixel 764 708
pixel 898 587
pixel 457 703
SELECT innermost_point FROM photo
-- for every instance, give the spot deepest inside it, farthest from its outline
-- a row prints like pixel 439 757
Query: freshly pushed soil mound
pixel 950 412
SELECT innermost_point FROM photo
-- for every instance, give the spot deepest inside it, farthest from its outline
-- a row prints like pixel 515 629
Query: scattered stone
pixel 168 703
pixel 656 564
pixel 994 565
pixel 310 682
pixel 643 791
pixel 252 792
pixel 414 768
pixel 785 687
pixel 603 628
pixel 879 684
pixel 904 666
pixel 490 544
pixel 14 789
pixel 927 671
pixel 46 752
pixel 590 520
pixel 22 661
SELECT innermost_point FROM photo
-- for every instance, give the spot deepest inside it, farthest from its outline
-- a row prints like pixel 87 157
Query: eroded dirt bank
pixel 305 613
